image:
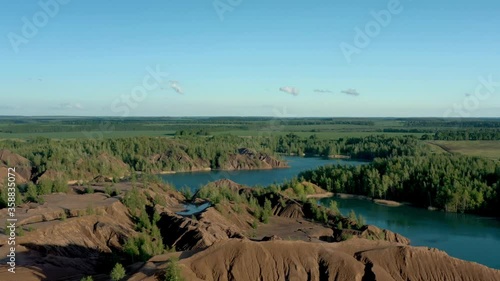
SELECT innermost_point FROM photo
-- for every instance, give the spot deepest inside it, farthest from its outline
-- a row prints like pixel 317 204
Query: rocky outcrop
pixel 247 159
pixel 12 160
pixel 183 162
pixel 194 234
pixel 67 237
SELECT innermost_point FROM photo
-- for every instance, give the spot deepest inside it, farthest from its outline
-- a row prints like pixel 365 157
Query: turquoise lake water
pixel 463 236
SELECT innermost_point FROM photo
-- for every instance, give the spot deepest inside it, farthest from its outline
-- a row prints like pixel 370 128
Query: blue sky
pixel 230 57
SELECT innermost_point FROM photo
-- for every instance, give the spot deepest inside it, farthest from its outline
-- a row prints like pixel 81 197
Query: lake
pixel 462 236
pixel 194 180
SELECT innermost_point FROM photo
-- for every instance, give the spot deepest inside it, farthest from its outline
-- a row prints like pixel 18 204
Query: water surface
pixel 466 237
pixel 463 236
pixel 194 180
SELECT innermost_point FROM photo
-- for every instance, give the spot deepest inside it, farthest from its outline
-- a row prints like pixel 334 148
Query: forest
pixel 67 127
pixel 403 168
pixel 366 148
pixel 79 157
pixel 454 183
pixel 470 134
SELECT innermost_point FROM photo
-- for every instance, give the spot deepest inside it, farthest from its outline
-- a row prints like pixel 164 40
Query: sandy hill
pixel 13 160
pixel 353 260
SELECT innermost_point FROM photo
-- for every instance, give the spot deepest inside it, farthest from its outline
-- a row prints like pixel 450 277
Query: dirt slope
pixel 12 160
pixel 356 259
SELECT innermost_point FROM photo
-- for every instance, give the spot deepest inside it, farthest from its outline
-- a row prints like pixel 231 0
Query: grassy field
pixel 321 135
pixel 324 128
pixel 91 134
pixel 488 149
pixel 72 128
pixel 120 134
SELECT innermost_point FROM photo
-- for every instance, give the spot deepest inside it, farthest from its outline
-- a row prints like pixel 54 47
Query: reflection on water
pixel 463 236
pixel 191 209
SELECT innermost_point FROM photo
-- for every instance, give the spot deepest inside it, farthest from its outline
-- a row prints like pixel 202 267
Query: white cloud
pixel 176 87
pixel 322 91
pixel 351 92
pixel 290 90
pixel 68 105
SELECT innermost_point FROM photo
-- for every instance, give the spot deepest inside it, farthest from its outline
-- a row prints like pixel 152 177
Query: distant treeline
pixel 15 125
pixel 182 124
pixel 455 135
pixel 112 126
pixel 453 183
pixel 76 158
pixel 453 122
pixel 361 148
pixel 79 158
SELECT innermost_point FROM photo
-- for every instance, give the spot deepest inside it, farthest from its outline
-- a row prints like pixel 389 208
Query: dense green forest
pixel 74 158
pixel 454 183
pixel 403 168
pixel 80 157
pixel 360 148
pixel 470 134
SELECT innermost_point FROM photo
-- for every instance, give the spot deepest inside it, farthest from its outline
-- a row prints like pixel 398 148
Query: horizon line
pixel 243 116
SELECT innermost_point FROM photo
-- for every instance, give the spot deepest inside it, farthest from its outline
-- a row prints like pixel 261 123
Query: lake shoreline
pixel 389 203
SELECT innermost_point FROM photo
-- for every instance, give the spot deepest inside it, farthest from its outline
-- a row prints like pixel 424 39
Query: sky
pixel 372 58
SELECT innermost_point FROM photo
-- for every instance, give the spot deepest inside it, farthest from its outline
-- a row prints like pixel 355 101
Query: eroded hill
pixel 243 234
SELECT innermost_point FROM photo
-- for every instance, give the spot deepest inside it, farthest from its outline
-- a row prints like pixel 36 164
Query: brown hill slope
pixel 13 160
pixel 356 259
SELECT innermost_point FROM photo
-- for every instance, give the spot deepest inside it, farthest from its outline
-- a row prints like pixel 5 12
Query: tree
pixel 173 272
pixel 31 192
pixel 118 272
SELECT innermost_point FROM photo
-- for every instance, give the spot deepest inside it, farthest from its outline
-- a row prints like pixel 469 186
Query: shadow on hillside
pixel 68 262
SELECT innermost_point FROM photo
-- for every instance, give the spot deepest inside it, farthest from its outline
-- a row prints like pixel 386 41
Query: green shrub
pixel 60 186
pixel 89 189
pixel 309 189
pixel 283 202
pixel 87 278
pixel 339 225
pixel 31 192
pixel 90 210
pixel 345 236
pixel 255 224
pixel 360 221
pixel 186 191
pixel 173 272
pixel 145 245
pixel 118 272
pixel 159 200
pixel 44 187
pixel 267 212
pixel 334 207
pixel 352 216
pixel 134 199
pixel 108 190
